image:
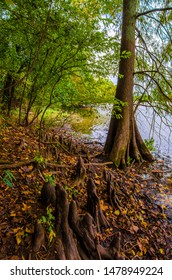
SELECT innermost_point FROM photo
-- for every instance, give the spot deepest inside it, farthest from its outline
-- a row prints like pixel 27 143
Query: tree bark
pixel 8 94
pixel 123 141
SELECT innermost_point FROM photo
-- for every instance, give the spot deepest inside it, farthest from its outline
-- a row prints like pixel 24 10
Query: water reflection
pixel 150 124
pixel 159 128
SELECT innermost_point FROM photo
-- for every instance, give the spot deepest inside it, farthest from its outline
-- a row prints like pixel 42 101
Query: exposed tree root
pixel 67 248
pixel 93 206
pixel 38 237
pixel 18 164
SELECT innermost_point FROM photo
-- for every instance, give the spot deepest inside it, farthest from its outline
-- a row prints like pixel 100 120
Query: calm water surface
pixel 150 124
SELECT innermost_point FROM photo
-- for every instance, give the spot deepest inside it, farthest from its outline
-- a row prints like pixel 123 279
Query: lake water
pixel 150 124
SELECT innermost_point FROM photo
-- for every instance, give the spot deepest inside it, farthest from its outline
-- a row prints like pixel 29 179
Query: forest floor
pixel 142 212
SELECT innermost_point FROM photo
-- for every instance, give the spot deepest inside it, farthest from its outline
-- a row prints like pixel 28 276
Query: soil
pixel 135 203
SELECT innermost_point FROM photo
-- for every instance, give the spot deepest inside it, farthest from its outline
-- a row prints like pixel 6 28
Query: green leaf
pixel 9 3
pixel 43 218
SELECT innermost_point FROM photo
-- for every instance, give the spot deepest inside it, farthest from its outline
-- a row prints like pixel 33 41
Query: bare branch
pixel 156 82
pixel 154 71
pixel 153 10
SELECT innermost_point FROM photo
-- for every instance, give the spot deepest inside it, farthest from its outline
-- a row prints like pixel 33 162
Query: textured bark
pixel 64 235
pixel 38 237
pixel 8 94
pixel 123 140
pixel 86 234
pixel 77 235
pixel 80 172
pixel 93 206
pixel 48 194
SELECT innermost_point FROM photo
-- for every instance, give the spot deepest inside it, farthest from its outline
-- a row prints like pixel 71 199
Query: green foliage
pixel 62 54
pixel 80 89
pixel 129 161
pixel 48 220
pixel 8 178
pixel 150 143
pixel 125 54
pixel 49 179
pixel 39 159
pixel 117 108
pixel 120 76
pixel 71 191
pixel 44 46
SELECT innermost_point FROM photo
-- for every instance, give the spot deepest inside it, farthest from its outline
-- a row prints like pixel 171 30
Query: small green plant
pixel 71 191
pixel 49 221
pixel 49 179
pixel 8 178
pixel 39 159
pixel 150 143
pixel 129 161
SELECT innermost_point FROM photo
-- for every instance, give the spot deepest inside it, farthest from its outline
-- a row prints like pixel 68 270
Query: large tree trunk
pixel 123 141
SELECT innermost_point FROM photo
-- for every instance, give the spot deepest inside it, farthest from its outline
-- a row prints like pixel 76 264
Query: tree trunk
pixel 8 94
pixel 124 142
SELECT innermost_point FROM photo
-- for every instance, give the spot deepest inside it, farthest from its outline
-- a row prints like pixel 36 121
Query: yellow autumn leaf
pixel 161 250
pixel 140 254
pixel 130 212
pixel 103 206
pixel 18 239
pixel 144 250
pixel 133 252
pixel 19 235
pixel 25 192
pixel 15 230
pixel 144 224
pixel 12 214
pixel 109 230
pixel 163 215
pixel 124 212
pixel 52 234
pixel 117 212
pixel 97 182
pixel 139 217
pixel 25 207
pixel 28 230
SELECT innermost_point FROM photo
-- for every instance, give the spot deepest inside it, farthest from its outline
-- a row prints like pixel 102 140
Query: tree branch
pixel 153 10
pixel 156 82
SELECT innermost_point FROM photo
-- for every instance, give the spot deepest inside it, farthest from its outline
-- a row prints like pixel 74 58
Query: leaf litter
pixel 141 210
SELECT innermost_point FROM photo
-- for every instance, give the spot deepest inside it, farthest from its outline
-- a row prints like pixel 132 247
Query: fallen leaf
pixel 13 214
pixel 104 207
pixel 19 236
pixel 52 234
pixel 28 230
pixel 134 228
pixel 161 250
pixel 14 258
pixel 25 207
pixel 117 212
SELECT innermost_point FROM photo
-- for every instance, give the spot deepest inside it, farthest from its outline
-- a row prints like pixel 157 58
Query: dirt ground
pixel 142 212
